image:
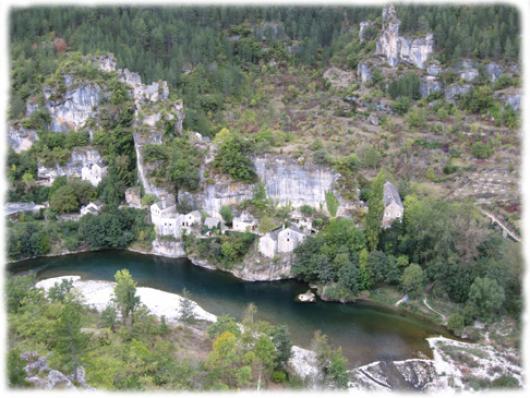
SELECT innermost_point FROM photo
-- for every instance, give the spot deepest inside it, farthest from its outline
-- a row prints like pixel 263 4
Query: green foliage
pixel 416 118
pixel 60 291
pixel 485 299
pixel 407 86
pixel 455 322
pixel 125 295
pixel 375 211
pixel 64 200
pixel 17 289
pixel 481 150
pixel 28 239
pixel 332 203
pixel 401 105
pixel 233 159
pixel 321 257
pixel 226 213
pixel 69 341
pixel 331 361
pixel 478 100
pixel 412 280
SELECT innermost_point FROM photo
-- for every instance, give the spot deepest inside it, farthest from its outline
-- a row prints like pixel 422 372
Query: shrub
pixel 481 150
pixel 455 322
pixel 401 105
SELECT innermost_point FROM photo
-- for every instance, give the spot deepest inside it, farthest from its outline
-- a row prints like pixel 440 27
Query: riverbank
pixel 455 365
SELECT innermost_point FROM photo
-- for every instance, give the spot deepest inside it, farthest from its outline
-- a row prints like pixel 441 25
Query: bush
pixel 401 105
pixel 233 159
pixel 481 150
pixel 455 322
pixel 416 118
pixel 332 203
pixel 412 280
pixel 407 86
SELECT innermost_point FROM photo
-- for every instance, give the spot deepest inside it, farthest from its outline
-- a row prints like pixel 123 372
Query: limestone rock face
pixel 286 181
pixel 223 192
pixel 21 139
pixel 455 90
pixel 468 72
pixel 430 85
pixel 72 110
pixel 304 364
pixel 514 101
pixel 493 71
pixel 364 26
pixel 363 72
pixel 434 69
pixel 397 48
pixel 168 248
pixel 388 43
pixel 85 163
pixel 416 51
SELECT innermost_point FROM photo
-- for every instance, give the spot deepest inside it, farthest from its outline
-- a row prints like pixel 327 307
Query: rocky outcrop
pixel 71 110
pixel 141 139
pixel 364 28
pixel 168 248
pixel 223 192
pixel 434 69
pixel 397 48
pixel 40 376
pixel 454 363
pixel 304 364
pixel 467 71
pixel 364 74
pixel 430 85
pixel 416 51
pixel 493 71
pixel 85 163
pixel 455 90
pixel 20 138
pixel 286 181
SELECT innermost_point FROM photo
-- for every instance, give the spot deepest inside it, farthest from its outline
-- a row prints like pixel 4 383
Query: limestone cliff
pixel 85 163
pixel 396 48
pixel 20 138
pixel 71 110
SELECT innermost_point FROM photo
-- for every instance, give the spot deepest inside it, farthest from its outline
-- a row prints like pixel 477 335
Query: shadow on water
pixel 365 332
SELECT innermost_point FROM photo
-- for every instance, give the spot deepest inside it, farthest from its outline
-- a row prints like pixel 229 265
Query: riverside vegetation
pixel 311 85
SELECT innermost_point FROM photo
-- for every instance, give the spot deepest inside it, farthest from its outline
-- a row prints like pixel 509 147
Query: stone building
pixel 393 205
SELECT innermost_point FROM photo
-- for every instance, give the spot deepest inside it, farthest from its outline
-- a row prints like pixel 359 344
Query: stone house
pixel 393 207
pixel 289 238
pixel 244 222
pixel 281 240
pixel 192 218
pixel 165 207
pixel 212 222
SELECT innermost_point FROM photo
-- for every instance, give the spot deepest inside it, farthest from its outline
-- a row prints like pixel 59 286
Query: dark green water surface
pixel 366 333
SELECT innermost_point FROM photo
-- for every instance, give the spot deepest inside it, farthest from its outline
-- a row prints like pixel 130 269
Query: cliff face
pixel 20 138
pixel 71 110
pixel 396 48
pixel 286 181
pixel 85 163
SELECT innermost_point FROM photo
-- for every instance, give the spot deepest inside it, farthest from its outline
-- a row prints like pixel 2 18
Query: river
pixel 365 332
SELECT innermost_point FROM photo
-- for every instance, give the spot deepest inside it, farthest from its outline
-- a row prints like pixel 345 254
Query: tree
pixel 64 200
pixel 375 211
pixel 282 342
pixel 485 299
pixel 226 213
pixel 233 159
pixel 109 317
pixel 455 322
pixel 412 279
pixel 60 290
pixel 69 341
pixel 332 203
pixel 125 295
